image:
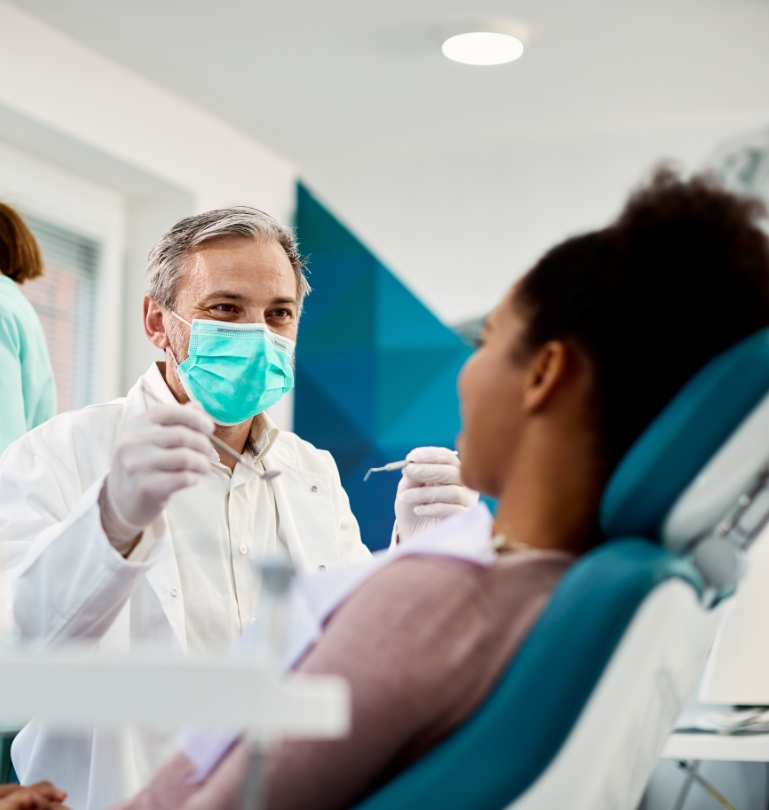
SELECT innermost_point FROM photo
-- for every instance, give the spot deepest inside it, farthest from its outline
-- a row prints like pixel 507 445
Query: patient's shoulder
pixel 421 582
pixel 408 603
pixel 421 602
pixel 521 582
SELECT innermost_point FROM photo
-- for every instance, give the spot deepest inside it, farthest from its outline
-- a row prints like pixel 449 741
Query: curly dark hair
pixel 680 276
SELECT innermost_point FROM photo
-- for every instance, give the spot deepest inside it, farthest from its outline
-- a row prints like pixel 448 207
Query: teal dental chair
pixel 580 716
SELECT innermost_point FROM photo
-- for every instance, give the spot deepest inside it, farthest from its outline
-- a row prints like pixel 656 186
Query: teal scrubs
pixel 27 389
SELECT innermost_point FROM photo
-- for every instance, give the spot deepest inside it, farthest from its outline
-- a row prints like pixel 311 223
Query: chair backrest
pixel 506 747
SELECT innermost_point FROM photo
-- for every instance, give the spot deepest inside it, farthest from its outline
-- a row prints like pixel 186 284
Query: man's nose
pixel 254 316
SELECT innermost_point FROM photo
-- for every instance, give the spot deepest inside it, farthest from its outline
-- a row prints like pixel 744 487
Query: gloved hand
pixel 162 450
pixel 429 491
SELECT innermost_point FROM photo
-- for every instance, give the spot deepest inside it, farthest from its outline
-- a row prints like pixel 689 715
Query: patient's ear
pixel 546 369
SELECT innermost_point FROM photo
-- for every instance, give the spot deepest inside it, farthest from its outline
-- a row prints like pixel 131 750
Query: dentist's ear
pixel 546 369
pixel 154 326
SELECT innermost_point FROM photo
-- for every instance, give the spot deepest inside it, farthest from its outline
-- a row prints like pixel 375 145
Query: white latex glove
pixel 161 451
pixel 429 491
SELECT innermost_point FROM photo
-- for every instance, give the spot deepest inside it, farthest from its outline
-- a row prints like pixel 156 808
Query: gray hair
pixel 166 260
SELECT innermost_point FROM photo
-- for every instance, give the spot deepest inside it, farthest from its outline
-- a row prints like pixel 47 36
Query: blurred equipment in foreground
pixel 743 165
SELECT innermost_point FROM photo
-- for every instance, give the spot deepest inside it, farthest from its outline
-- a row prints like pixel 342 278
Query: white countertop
pixel 737 748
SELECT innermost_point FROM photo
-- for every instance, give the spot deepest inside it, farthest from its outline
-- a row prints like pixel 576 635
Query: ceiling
pixel 334 82
pixel 313 80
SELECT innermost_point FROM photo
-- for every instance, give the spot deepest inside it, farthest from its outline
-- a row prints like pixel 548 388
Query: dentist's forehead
pixel 239 269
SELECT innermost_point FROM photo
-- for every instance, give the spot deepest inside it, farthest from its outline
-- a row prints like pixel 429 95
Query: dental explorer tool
pixel 391 467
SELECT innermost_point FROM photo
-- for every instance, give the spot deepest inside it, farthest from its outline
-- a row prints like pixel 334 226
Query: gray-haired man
pixel 123 524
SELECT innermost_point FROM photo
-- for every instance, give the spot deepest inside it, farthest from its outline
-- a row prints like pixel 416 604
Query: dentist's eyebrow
pixel 228 294
pixel 282 301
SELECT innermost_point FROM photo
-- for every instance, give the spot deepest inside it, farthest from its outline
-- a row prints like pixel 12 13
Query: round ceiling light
pixel 483 48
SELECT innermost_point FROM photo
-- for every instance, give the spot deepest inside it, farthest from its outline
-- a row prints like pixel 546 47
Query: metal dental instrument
pixel 391 467
pixel 267 475
pixel 224 448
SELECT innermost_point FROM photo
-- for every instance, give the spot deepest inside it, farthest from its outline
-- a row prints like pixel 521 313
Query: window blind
pixel 64 299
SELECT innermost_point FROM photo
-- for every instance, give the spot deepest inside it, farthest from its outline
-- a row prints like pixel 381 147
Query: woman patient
pixel 575 362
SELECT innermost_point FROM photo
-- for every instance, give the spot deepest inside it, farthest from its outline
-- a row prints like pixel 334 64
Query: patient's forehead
pixel 507 317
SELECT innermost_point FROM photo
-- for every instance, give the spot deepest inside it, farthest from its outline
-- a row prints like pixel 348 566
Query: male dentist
pixel 121 523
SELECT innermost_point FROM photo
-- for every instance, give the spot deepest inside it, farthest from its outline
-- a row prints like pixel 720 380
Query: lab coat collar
pixel 155 380
pixel 264 433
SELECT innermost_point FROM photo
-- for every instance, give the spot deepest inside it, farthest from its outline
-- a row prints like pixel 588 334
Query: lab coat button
pixel 321 568
pixel 244 549
pixel 174 592
pixel 313 489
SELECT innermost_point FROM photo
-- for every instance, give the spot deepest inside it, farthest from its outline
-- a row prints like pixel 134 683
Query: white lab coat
pixel 69 582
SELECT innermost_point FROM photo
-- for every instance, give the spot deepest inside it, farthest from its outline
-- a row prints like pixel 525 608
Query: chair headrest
pixel 730 479
pixel 678 444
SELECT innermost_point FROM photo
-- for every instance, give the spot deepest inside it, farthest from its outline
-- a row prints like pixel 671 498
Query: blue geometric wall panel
pixel 376 371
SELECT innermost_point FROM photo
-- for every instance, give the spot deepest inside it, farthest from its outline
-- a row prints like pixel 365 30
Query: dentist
pixel 121 524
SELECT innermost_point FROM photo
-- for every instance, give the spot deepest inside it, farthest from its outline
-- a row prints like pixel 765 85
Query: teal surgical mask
pixel 235 370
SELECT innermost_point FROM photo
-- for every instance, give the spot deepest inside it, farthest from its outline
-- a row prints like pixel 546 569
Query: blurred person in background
pixel 27 388
pixel 122 524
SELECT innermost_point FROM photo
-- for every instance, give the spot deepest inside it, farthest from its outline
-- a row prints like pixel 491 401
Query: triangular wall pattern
pixel 376 370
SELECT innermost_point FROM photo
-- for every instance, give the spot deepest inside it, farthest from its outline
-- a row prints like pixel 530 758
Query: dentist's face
pixel 234 279
pixel 491 387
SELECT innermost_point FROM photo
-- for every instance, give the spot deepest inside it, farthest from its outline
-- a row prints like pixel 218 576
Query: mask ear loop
pixel 174 358
pixel 179 318
pixel 170 348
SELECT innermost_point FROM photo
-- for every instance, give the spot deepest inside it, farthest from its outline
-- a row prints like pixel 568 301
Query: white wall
pixel 56 81
pixel 157 158
pixel 459 226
